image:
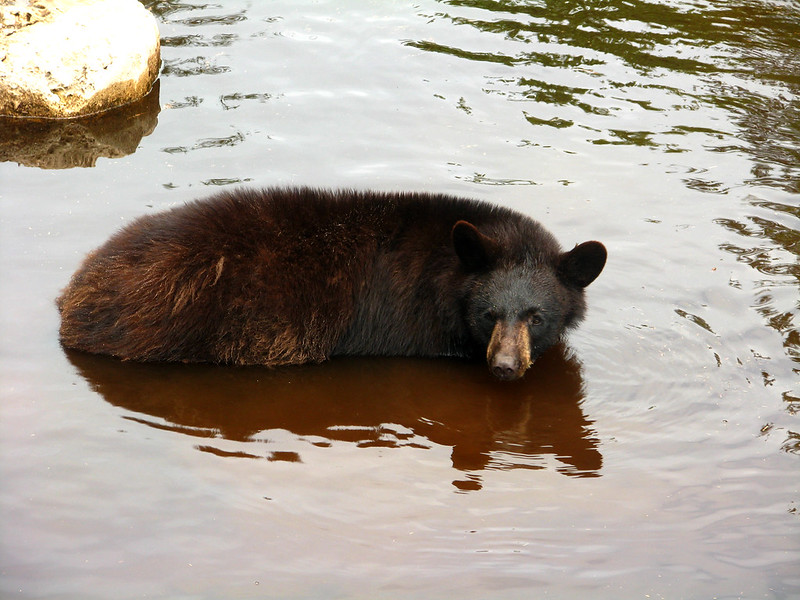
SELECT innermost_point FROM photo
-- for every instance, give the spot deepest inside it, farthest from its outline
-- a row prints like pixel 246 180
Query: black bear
pixel 289 276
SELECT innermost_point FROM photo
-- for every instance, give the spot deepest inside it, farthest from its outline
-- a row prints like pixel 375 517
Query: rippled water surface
pixel 655 455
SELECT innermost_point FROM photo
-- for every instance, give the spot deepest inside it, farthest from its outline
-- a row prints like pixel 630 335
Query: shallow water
pixel 656 455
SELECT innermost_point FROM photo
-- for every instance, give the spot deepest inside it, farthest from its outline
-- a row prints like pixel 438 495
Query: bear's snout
pixel 506 367
pixel 509 350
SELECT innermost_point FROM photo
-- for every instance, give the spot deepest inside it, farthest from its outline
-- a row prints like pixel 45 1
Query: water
pixel 656 455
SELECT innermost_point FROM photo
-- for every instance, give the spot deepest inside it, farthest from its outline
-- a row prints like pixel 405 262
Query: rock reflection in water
pixel 68 143
pixel 368 402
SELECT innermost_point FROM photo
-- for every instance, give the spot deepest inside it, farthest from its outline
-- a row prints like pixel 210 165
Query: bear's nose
pixel 505 367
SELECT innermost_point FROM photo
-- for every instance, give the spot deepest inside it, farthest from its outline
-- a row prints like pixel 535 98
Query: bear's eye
pixel 490 315
pixel 534 319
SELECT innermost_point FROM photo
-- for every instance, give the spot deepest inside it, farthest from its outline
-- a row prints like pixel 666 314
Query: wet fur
pixel 289 276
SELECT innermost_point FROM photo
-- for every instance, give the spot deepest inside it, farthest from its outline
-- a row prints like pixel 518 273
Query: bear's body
pixel 288 276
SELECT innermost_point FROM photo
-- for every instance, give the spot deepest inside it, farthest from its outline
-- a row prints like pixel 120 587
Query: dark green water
pixel 656 455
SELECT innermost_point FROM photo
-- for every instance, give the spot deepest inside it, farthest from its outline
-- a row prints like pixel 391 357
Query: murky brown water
pixel 655 456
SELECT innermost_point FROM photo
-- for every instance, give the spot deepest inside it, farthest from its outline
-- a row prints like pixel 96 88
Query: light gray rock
pixel 69 58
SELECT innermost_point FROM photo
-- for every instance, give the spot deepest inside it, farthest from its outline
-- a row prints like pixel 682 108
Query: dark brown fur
pixel 288 276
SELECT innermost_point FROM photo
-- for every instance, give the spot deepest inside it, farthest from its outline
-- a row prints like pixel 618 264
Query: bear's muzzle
pixel 509 350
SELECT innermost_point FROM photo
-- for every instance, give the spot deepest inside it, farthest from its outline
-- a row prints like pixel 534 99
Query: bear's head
pixel 519 303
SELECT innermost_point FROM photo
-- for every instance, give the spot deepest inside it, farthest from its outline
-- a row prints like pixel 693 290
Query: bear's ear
pixel 581 265
pixel 475 250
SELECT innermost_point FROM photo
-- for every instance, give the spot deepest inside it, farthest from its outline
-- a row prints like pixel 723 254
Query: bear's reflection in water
pixel 369 402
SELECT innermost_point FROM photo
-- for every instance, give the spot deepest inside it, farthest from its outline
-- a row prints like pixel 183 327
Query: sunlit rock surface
pixel 69 58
